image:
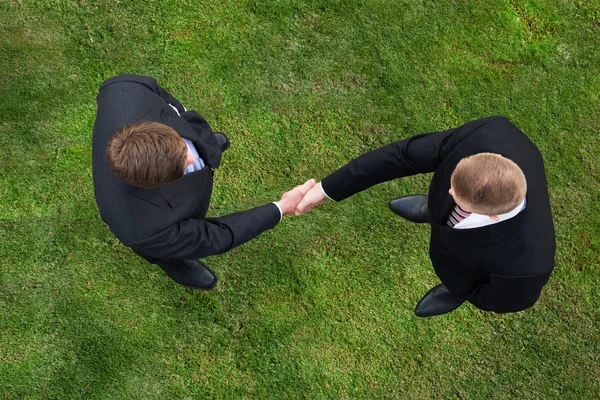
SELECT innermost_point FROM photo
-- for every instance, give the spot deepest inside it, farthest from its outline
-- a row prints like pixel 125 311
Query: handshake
pixel 302 198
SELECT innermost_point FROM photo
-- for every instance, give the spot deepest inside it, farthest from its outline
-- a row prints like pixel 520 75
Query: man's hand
pixel 313 198
pixel 289 200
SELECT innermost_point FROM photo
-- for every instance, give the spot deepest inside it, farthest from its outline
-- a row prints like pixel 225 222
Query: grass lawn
pixel 321 306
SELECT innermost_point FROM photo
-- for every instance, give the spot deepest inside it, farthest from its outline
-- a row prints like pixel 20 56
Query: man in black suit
pixel 492 236
pixel 153 165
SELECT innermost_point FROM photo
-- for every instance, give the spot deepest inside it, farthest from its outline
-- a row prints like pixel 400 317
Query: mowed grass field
pixel 321 306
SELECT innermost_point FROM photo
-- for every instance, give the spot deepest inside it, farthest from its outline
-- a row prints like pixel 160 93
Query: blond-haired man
pixel 153 164
pixel 492 236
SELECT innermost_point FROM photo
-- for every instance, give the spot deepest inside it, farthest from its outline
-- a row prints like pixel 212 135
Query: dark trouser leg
pixel 190 273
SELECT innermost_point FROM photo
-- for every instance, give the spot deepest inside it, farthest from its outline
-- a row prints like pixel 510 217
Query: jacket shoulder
pixel 131 78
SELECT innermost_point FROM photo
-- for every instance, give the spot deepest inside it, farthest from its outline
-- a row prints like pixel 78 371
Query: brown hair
pixel 146 154
pixel 489 183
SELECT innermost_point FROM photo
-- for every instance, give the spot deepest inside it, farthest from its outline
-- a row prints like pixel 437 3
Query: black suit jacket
pixel 167 222
pixel 500 267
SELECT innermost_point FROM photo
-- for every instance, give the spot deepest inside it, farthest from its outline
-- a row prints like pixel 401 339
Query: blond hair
pixel 489 183
pixel 146 154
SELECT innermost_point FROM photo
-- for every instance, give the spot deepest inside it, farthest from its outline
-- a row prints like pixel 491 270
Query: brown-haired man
pixel 492 236
pixel 153 165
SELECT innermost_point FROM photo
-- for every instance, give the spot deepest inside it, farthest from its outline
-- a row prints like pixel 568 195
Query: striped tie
pixel 457 215
pixel 196 166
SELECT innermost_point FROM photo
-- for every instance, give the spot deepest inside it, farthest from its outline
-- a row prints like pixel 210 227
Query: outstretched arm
pixel 416 155
pixel 197 238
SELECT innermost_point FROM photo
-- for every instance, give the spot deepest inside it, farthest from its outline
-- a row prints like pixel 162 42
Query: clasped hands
pixel 302 198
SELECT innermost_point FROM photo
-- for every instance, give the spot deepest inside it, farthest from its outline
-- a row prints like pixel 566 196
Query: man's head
pixel 488 184
pixel 147 154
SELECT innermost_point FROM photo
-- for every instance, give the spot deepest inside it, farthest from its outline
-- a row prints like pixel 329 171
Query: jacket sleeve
pixel 416 155
pixel 197 238
pixel 503 294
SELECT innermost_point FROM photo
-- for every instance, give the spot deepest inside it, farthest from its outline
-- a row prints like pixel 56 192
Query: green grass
pixel 321 306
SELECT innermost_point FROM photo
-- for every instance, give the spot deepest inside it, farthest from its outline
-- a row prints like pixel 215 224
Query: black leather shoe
pixel 223 141
pixel 190 273
pixel 437 301
pixel 412 208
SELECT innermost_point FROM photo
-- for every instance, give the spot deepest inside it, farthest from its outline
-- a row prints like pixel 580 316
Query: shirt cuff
pixel 280 212
pixel 323 190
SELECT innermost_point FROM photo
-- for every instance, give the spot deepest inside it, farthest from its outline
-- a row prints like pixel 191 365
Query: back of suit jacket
pixel 500 267
pixel 167 221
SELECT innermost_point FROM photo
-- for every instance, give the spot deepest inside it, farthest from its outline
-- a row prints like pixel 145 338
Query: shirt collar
pixel 475 220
